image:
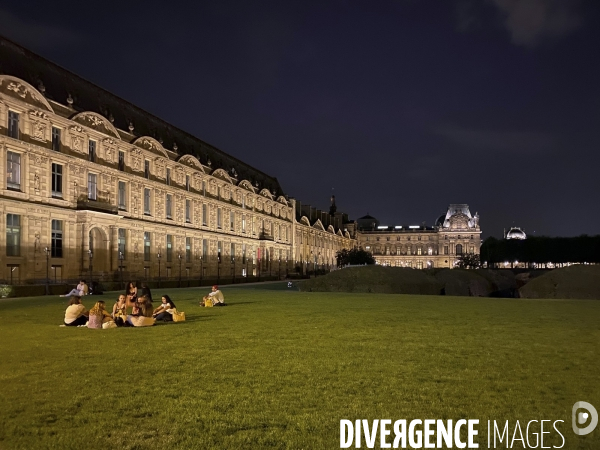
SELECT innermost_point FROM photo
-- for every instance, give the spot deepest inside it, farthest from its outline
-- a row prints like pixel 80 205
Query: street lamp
pixel 200 270
pixel 47 251
pixel 121 258
pixel 180 258
pixel 233 261
pixel 158 256
pixel 91 255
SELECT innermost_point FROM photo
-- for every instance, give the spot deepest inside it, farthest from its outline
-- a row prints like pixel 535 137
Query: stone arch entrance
pixel 99 247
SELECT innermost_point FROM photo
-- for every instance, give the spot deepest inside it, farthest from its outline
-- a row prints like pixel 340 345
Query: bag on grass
pixel 108 325
pixel 178 316
pixel 208 303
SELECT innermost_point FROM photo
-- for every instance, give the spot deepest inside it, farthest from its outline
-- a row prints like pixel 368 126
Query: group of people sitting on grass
pixel 130 309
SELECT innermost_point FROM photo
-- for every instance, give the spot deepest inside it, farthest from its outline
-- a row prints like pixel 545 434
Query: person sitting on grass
pixel 75 315
pixel 98 315
pixel 216 298
pixel 141 316
pixel 81 290
pixel 165 311
pixel 119 312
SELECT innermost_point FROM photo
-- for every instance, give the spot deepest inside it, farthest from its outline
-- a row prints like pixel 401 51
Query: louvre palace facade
pixel 419 246
pixel 92 186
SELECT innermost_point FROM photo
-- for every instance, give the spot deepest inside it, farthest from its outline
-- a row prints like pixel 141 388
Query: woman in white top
pixel 165 310
pixel 75 314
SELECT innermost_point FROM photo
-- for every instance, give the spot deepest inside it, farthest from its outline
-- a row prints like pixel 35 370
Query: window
pixel 146 169
pixel 243 253
pixel 147 201
pixel 219 218
pixel 92 150
pixel 56 249
pixel 92 186
pixel 272 229
pixel 232 220
pixel 147 245
pixel 243 201
pixel 122 195
pixel 169 206
pixel 471 250
pixel 243 224
pixel 56 139
pixel 204 188
pixel 188 249
pixel 219 248
pixel 169 248
pixel 204 248
pixel 13 170
pixel 232 252
pixel 459 249
pixel 430 251
pixel 187 182
pixel 188 213
pixel 57 173
pixel 13 124
pixel 121 161
pixel 445 249
pixel 13 235
pixel 121 242
pixel 168 178
pixel 204 214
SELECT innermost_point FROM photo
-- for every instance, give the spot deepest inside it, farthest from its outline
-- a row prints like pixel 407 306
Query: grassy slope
pixel 577 281
pixel 379 279
pixel 279 369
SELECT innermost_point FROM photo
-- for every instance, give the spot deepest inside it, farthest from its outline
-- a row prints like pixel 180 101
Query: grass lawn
pixel 279 369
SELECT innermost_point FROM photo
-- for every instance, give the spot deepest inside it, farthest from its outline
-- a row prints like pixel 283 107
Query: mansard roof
pixel 60 84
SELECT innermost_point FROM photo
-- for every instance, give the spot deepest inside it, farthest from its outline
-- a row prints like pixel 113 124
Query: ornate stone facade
pixel 419 246
pixel 81 194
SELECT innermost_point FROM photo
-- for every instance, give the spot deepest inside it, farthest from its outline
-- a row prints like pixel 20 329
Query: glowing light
pixel 382 227
pixel 398 227
pixel 414 227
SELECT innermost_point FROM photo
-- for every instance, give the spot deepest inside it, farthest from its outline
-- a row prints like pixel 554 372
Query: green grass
pixel 279 369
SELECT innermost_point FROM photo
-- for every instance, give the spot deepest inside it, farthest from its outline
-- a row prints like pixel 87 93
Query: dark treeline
pixel 542 250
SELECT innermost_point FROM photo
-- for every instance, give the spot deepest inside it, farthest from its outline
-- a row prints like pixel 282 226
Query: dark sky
pixel 400 106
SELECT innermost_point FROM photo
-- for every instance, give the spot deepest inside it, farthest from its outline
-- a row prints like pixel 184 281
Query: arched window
pixel 459 249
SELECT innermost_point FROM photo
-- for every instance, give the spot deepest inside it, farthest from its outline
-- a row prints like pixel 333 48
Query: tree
pixel 355 257
pixel 468 261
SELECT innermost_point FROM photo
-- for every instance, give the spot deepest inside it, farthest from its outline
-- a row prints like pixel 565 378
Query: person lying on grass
pixel 98 315
pixel 80 290
pixel 165 311
pixel 119 313
pixel 216 298
pixel 75 314
pixel 141 316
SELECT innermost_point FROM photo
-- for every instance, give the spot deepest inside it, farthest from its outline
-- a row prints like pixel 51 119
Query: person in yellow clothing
pixel 215 298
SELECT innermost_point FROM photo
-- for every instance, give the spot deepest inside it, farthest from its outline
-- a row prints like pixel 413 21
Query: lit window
pixel 122 195
pixel 13 169
pixel 13 235
pixel 56 139
pixel 57 174
pixel 13 124
pixel 92 186
pixel 56 239
pixel 92 150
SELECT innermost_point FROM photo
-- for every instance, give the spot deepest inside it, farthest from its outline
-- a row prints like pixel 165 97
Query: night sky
pixel 401 107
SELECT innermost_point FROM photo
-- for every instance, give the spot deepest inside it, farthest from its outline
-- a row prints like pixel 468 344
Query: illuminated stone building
pixel 419 246
pixel 91 185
